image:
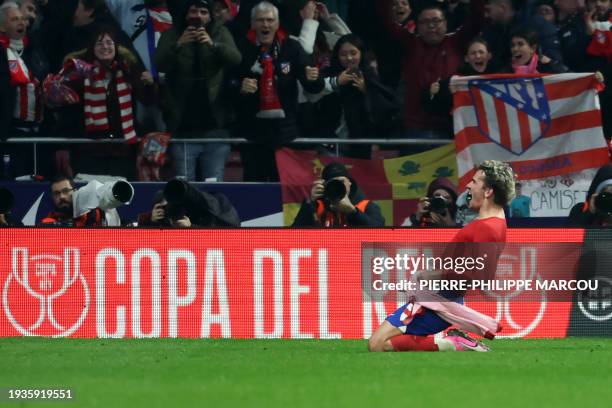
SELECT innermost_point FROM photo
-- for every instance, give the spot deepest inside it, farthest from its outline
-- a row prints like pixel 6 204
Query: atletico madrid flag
pixel 542 125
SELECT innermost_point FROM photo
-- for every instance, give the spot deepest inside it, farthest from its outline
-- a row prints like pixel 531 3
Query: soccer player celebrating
pixel 491 189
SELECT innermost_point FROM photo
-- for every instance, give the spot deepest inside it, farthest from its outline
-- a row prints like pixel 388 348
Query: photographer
pixel 93 205
pixel 337 201
pixel 182 205
pixel 7 199
pixel 596 211
pixel 438 209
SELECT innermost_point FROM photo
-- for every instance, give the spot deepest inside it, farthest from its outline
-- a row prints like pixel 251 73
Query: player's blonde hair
pixel 500 177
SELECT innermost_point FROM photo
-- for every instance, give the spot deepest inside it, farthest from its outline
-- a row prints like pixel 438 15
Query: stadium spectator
pixel 438 98
pixel 272 64
pixel 601 10
pixel 317 31
pixel 359 105
pixel 144 21
pixel 93 205
pixel 21 104
pixel 196 54
pixel 596 211
pixel 503 20
pixel 29 10
pixel 224 10
pixel 71 28
pixel 457 11
pixel 520 207
pixel 241 24
pixel 181 205
pixel 546 10
pixel 337 201
pixel 524 47
pixel 438 208
pixel 97 86
pixel 572 34
pixel 439 55
pixel 403 15
pixel 314 27
pixel 37 60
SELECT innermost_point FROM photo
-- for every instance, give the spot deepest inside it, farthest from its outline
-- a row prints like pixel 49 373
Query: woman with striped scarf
pixel 96 91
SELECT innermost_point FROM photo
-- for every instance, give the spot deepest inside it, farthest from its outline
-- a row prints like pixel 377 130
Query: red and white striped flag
pixel 542 125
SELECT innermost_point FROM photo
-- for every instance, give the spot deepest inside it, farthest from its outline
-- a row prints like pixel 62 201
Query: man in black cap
pixel 337 201
pixel 196 54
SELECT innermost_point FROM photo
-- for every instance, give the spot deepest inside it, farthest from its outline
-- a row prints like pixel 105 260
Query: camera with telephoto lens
pixel 6 200
pixel 603 203
pixel 334 190
pixel 439 205
pixel 175 194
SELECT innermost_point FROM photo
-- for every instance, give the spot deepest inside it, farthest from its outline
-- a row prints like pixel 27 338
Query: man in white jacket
pixel 93 205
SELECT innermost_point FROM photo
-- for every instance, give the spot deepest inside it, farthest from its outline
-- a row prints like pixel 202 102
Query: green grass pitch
pixel 572 372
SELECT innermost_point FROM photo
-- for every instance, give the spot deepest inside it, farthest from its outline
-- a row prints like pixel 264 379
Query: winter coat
pixel 177 62
pixel 289 68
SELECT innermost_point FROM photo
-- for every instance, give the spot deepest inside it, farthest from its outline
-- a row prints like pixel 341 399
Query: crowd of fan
pixel 269 72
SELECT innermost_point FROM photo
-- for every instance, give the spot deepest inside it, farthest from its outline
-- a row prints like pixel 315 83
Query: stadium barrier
pixel 35 141
pixel 255 283
pixel 35 203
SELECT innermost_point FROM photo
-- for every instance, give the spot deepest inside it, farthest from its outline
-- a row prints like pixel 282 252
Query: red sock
pixel 408 342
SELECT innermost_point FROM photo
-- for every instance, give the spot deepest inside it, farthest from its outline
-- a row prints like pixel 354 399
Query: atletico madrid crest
pixel 512 112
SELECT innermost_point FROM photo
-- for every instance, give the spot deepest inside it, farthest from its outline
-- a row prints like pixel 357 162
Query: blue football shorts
pixel 425 323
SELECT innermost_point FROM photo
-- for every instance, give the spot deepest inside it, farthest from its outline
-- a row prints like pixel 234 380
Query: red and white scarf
pixel 28 103
pixel 95 102
pixel 269 103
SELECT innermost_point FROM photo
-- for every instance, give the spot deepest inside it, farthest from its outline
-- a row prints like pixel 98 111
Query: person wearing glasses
pixel 429 55
pixel 95 92
pixel 61 189
pixel 93 205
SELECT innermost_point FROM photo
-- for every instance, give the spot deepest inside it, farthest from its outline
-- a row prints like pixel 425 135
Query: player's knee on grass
pixel 376 343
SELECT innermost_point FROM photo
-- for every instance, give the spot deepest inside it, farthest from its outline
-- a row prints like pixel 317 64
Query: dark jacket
pixel 580 216
pixel 289 68
pixel 371 217
pixel 574 42
pixel 365 113
pixel 205 88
